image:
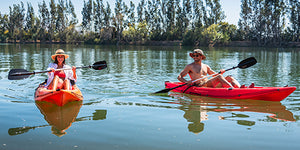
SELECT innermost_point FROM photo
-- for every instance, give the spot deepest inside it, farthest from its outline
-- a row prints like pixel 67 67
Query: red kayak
pixel 253 93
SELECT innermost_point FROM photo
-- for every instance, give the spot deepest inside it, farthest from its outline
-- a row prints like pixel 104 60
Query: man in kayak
pixel 63 79
pixel 197 70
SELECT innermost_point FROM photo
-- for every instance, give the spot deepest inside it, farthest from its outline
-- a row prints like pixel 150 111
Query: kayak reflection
pixel 59 117
pixel 55 116
pixel 196 109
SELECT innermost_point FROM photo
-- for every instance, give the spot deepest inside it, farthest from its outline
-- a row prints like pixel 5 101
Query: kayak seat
pixel 243 86
pixel 251 85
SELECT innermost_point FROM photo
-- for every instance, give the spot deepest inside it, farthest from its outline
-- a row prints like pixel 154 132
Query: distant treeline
pixel 194 22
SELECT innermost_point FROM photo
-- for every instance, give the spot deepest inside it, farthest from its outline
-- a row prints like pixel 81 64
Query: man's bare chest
pixel 199 69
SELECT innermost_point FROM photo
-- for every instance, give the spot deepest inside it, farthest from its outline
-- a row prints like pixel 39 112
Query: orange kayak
pixel 60 97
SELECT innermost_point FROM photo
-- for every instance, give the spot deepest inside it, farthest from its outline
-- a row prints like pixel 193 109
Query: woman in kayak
pixel 197 70
pixel 63 79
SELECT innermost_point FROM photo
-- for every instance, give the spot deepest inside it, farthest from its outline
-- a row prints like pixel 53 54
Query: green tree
pixel 30 23
pixel 71 15
pixel 15 22
pixel 87 15
pixel 266 23
pixel 244 22
pixel 44 17
pixel 198 15
pixel 294 17
pixel 107 32
pixel 186 14
pixel 214 13
pixel 131 15
pixel 107 16
pixel 155 26
pixel 214 34
pixel 179 18
pixel 142 31
pixel 3 27
pixel 170 19
pixel 71 21
pixel 98 17
pixel 53 16
pixel 61 22
pixel 119 21
pixel 140 11
pixel 229 32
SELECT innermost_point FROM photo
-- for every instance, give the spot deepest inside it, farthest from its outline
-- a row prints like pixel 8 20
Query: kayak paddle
pixel 242 65
pixel 18 74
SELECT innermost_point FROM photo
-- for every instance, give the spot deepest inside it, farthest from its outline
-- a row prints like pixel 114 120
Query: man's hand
pixel 190 82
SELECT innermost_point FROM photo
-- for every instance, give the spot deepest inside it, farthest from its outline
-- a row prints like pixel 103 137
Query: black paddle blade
pixel 20 130
pixel 163 91
pixel 247 63
pixel 99 65
pixel 18 74
pixel 169 89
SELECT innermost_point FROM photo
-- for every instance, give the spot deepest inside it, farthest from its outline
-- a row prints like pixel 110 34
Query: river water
pixel 119 111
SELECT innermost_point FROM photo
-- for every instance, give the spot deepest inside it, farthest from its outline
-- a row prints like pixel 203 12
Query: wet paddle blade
pixel 99 65
pixel 247 63
pixel 20 130
pixel 18 74
pixel 169 89
pixel 163 91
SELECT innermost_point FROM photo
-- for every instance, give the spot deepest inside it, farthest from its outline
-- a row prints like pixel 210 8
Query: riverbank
pixel 169 43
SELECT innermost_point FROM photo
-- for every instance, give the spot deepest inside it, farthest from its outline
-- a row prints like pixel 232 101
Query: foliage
pixel 197 22
pixel 265 21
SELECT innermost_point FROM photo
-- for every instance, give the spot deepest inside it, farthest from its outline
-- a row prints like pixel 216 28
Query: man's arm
pixel 183 73
pixel 210 71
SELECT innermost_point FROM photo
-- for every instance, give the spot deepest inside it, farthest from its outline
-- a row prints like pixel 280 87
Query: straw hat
pixel 198 51
pixel 59 52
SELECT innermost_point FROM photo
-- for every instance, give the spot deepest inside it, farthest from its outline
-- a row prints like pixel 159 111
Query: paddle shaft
pixel 37 72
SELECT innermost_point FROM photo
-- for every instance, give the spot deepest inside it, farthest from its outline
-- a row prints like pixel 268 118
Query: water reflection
pixel 60 118
pixel 196 110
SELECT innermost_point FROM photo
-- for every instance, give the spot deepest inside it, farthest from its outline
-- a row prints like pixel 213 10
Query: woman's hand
pixel 52 69
pixel 222 71
pixel 74 72
pixel 73 68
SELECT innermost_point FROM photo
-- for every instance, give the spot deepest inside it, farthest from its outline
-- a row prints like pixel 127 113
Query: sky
pixel 230 7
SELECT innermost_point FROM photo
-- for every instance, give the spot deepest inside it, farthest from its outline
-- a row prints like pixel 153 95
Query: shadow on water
pixel 59 118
